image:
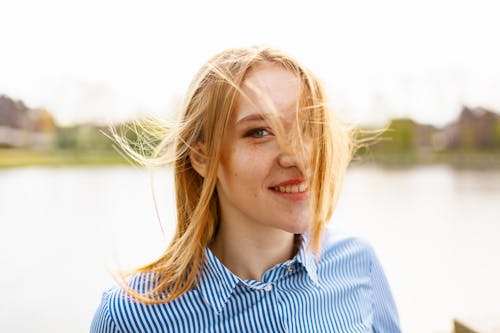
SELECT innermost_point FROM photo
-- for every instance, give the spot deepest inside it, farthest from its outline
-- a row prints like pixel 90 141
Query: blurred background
pixel 426 195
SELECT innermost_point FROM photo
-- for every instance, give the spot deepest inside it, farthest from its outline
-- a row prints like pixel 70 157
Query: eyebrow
pixel 253 117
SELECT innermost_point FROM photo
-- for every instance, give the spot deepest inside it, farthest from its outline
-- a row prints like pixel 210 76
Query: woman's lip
pixel 297 184
pixel 293 196
pixel 289 182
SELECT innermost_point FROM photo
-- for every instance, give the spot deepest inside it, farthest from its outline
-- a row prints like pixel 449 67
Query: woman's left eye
pixel 257 133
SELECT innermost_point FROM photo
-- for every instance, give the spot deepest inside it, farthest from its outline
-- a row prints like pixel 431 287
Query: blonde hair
pixel 208 105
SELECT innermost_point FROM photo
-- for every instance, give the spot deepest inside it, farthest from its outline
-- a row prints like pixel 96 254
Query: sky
pixel 106 61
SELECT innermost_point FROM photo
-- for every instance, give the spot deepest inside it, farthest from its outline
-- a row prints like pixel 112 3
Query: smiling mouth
pixel 297 188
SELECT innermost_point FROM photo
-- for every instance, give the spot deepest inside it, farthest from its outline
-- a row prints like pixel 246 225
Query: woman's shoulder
pixel 119 311
pixel 336 240
pixel 139 283
pixel 349 261
pixel 340 248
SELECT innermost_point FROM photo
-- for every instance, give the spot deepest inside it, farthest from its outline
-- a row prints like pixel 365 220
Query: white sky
pixel 110 60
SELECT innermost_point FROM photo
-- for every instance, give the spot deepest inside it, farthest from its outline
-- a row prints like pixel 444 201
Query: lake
pixel 435 229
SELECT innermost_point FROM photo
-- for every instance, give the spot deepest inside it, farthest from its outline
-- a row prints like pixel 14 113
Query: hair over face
pixel 206 113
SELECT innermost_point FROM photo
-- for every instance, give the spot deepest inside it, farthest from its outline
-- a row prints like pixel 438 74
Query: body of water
pixel 435 229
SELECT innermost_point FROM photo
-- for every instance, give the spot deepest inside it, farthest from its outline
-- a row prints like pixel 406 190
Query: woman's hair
pixel 206 112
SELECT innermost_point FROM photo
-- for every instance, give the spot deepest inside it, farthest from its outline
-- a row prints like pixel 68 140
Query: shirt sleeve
pixel 385 314
pixel 103 322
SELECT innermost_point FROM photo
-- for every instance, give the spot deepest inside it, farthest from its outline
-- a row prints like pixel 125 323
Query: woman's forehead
pixel 268 89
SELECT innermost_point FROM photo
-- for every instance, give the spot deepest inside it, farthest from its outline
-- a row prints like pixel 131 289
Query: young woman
pixel 259 161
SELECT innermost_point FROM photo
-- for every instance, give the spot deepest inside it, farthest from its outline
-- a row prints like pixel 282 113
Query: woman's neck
pixel 250 252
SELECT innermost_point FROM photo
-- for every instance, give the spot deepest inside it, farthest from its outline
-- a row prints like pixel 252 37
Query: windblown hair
pixel 206 112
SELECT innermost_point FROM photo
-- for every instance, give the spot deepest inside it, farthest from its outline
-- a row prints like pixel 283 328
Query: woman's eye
pixel 257 133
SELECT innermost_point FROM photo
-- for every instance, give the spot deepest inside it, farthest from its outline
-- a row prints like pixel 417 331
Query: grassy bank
pixel 10 158
pixel 458 159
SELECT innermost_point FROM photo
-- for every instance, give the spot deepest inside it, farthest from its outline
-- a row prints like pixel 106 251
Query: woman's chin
pixel 298 228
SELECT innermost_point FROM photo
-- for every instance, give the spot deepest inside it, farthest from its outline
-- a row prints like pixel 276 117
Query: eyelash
pixel 256 133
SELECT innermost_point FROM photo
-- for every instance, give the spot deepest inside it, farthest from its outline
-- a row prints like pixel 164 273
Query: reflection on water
pixel 435 229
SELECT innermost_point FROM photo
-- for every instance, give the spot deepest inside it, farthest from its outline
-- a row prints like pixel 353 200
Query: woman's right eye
pixel 257 133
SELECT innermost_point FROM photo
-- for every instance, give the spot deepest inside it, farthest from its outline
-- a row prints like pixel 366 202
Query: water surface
pixel 435 229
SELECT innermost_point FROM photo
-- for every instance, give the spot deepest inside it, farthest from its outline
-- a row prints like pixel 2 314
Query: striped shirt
pixel 345 290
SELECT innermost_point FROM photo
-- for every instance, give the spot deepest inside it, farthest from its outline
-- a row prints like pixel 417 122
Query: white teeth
pixel 291 188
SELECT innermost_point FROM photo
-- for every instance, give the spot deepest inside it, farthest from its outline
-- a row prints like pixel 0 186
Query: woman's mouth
pixel 294 190
pixel 291 188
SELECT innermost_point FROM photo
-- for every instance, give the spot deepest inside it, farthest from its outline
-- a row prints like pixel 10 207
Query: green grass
pixel 10 158
pixel 455 159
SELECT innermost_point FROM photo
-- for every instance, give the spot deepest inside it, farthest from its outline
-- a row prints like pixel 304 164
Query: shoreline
pixel 14 158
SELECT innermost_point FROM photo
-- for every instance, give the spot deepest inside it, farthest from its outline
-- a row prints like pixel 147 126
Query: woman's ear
pixel 197 155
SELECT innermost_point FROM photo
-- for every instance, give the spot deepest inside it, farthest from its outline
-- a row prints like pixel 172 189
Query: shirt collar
pixel 217 282
pixel 307 259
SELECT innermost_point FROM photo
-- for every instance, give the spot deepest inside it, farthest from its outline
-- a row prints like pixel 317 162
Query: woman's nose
pixel 290 157
pixel 294 151
pixel 287 160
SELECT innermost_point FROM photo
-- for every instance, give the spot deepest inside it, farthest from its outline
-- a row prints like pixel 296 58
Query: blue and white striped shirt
pixel 344 291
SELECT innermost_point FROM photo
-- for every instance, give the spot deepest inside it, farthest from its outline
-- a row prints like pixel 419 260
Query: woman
pixel 258 165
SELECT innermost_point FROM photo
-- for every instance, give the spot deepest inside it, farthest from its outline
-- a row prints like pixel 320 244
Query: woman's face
pixel 259 183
